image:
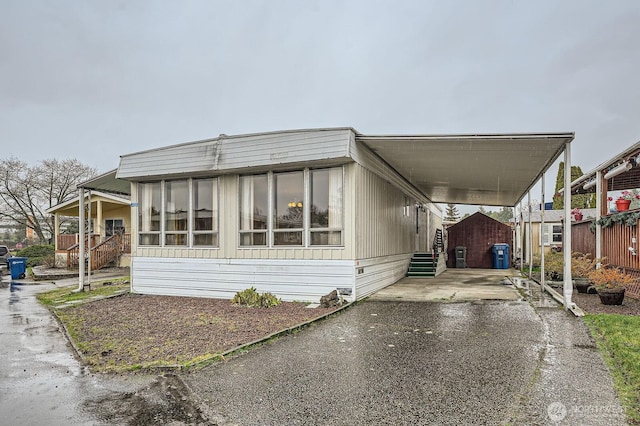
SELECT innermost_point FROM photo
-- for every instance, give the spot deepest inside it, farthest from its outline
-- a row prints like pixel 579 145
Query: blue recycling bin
pixel 18 267
pixel 500 256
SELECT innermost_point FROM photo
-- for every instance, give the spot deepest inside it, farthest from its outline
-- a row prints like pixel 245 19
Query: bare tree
pixel 26 192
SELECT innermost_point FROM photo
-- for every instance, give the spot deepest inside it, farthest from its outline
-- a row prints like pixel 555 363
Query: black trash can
pixel 461 257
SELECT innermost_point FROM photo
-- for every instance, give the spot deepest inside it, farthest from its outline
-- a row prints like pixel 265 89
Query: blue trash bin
pixel 500 256
pixel 18 267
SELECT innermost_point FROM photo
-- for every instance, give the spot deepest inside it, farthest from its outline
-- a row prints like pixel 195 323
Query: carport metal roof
pixel 485 169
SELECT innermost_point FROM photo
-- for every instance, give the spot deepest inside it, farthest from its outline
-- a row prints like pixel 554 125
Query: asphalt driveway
pixel 378 362
pixel 418 363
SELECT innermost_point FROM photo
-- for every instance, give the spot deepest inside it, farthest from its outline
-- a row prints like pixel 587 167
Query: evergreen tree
pixel 451 214
pixel 581 201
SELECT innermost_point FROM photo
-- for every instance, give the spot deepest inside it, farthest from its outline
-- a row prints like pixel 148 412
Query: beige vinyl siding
pixel 226 154
pixel 229 229
pixel 381 227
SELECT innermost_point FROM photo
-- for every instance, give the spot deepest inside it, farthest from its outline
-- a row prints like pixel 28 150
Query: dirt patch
pixel 133 331
pixel 591 304
pixel 166 401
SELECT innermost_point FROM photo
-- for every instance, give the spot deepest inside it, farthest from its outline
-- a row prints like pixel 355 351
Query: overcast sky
pixel 97 79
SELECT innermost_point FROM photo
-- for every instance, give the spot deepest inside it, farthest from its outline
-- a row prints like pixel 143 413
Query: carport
pixel 483 169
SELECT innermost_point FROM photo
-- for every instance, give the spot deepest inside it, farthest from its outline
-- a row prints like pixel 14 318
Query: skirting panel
pixel 301 280
pixel 378 272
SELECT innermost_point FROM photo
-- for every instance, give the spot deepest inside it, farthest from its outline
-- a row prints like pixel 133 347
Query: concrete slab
pixel 453 285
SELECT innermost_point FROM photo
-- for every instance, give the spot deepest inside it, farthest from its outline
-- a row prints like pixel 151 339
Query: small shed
pixel 478 233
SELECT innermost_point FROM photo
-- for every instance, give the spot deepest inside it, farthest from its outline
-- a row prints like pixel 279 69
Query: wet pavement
pixel 410 363
pixel 42 383
pixel 378 362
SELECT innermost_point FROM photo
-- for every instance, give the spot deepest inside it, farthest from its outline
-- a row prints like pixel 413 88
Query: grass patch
pixel 60 296
pixel 618 337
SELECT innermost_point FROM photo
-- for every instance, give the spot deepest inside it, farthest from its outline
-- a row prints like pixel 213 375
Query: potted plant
pixel 581 266
pixel 610 283
pixel 624 200
pixel 577 214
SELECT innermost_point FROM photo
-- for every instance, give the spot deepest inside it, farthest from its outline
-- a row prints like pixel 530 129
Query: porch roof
pixel 108 182
pixel 70 207
pixel 627 180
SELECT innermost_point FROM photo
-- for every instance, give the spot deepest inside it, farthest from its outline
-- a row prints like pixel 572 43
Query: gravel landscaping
pixel 591 304
pixel 135 331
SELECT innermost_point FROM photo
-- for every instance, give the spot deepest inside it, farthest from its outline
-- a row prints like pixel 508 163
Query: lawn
pixel 618 337
pixel 64 295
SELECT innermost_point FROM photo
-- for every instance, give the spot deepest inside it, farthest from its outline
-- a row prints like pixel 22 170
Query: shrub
pixel 37 255
pixel 251 298
pixel 582 264
pixel 609 278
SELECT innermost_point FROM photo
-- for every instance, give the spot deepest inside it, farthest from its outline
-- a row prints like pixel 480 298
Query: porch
pixel 104 251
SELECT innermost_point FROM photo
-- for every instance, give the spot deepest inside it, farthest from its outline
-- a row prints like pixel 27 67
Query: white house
pixel 300 213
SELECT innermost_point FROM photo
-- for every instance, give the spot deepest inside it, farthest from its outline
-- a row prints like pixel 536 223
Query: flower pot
pixel 611 296
pixel 623 205
pixel 582 284
pixel 578 216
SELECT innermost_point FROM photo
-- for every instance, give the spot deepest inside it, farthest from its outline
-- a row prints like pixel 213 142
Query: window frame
pixel 215 224
pixel 306 229
pixel 189 232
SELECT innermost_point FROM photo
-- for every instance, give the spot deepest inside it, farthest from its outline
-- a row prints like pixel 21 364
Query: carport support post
pixel 81 242
pixel 599 202
pixel 530 239
pixel 567 288
pixel 542 283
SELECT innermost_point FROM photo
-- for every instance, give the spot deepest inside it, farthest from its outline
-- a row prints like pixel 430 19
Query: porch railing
pixel 102 253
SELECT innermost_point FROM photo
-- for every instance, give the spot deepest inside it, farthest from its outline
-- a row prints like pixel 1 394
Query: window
pixel 177 213
pixel 205 212
pixel 288 213
pixel 254 208
pixel 150 204
pixel 176 207
pixel 555 231
pixel 326 207
pixel 113 226
pixel 301 208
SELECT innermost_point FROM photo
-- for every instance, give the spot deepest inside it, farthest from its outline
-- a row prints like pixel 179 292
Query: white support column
pixel 530 238
pixel 81 249
pixel 598 214
pixel 88 283
pixel 99 220
pixel 542 277
pixel 567 289
pixel 56 229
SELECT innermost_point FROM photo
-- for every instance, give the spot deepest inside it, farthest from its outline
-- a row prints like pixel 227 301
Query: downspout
pixel 599 203
pixel 542 207
pixel 567 288
pixel 81 242
pixel 521 237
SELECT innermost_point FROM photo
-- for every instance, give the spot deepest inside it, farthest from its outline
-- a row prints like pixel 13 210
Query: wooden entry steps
pixel 423 265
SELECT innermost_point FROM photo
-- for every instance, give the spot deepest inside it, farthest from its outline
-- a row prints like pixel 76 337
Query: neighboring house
pixel 615 236
pixel 477 233
pixel 110 230
pixel 551 236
